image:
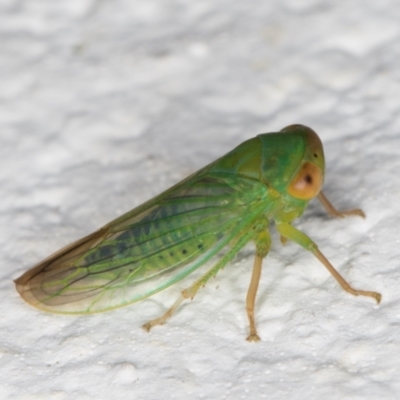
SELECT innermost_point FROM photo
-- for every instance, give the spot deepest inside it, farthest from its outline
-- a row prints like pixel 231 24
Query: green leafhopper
pixel 218 209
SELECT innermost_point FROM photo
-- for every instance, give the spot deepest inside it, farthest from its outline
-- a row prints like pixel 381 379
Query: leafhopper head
pixel 293 162
pixel 308 179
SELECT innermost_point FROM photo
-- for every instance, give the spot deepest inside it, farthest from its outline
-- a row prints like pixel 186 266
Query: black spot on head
pixel 200 246
pixel 171 254
pixel 315 155
pixel 184 251
pixel 308 179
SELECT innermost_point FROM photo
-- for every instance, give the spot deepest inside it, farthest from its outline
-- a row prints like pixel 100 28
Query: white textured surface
pixel 105 103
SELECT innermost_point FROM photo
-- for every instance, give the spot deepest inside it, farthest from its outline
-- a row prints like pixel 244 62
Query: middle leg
pixel 263 244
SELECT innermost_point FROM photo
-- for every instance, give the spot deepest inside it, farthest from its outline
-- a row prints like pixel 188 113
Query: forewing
pixel 145 250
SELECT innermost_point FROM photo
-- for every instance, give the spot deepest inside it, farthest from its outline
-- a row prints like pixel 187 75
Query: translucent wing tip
pixel 42 285
pixel 32 289
pixel 27 288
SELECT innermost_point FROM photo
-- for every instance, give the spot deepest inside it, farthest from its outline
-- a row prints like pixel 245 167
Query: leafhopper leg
pixel 161 320
pixel 331 210
pixel 303 240
pixel 263 243
pixel 343 283
pixel 251 297
pixel 191 291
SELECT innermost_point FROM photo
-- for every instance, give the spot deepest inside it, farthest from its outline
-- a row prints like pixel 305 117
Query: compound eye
pixel 307 183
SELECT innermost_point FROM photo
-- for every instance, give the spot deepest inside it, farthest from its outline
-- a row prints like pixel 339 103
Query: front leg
pixel 289 232
pixel 331 210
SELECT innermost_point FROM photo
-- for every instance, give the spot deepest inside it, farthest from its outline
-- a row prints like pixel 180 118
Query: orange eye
pixel 307 183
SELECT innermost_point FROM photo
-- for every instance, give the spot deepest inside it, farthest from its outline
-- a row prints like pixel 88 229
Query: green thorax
pixel 274 159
